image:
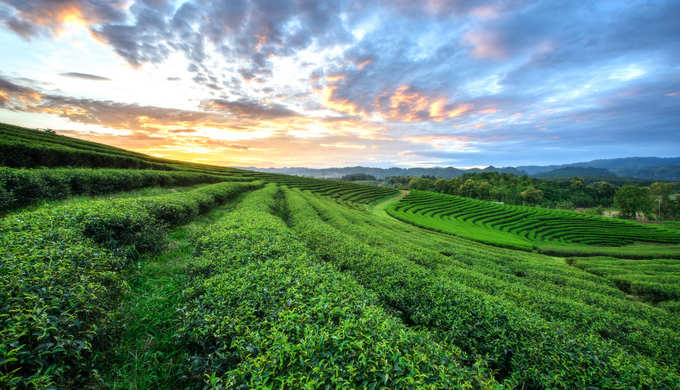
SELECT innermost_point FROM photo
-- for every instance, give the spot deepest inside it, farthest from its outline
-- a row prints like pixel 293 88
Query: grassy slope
pixel 28 151
pixel 482 232
pixel 470 293
pixel 147 353
pixel 288 288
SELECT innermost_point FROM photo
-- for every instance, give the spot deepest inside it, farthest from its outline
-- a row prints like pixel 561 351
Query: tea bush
pixel 22 187
pixel 523 227
pixel 469 310
pixel 60 277
pixel 264 312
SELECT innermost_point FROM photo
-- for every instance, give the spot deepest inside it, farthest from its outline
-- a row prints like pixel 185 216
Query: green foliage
pixel 263 312
pixel 22 187
pixel 27 148
pixel 532 195
pixel 631 200
pixel 522 227
pixel 533 320
pixel 348 193
pixel 60 277
pixel 419 183
pixel 664 207
pixel 287 289
pixel 653 280
pixel 512 189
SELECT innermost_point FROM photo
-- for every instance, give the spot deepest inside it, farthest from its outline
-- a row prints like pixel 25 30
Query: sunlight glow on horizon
pixel 284 83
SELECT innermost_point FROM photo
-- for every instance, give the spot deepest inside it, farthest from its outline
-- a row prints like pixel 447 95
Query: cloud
pixel 148 119
pixel 401 104
pixel 449 143
pixel 32 18
pixel 248 109
pixel 216 118
pixel 485 44
pixel 85 76
pixel 552 80
pixel 342 145
pixel 13 96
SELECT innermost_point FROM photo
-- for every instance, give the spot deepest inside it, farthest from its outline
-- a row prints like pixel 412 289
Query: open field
pixel 205 277
pixel 551 231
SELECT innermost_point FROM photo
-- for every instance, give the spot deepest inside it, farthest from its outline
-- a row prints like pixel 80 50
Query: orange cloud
pixel 364 64
pixel 403 104
pixel 334 78
pixel 58 14
pixel 329 100
pixel 14 97
pixel 408 105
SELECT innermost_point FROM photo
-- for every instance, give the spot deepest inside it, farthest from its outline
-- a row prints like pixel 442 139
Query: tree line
pixel 654 200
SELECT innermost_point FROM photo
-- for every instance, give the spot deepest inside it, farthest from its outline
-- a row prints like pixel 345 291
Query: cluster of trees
pixel 566 194
pixel 653 200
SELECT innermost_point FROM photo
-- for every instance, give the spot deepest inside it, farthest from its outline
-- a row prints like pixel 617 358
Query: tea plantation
pixel 118 270
pixel 530 227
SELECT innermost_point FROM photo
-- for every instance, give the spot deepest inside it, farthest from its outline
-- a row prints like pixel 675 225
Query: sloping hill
pixel 568 172
pixel 246 279
pixel 526 228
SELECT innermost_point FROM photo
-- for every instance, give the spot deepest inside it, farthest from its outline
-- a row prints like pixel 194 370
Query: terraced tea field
pixel 529 227
pixel 345 192
pixel 190 276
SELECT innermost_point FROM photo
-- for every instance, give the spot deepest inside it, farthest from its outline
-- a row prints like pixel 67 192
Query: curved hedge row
pixel 27 148
pixel 529 223
pixel 264 312
pixel 531 322
pixel 60 277
pixel 18 154
pixel 22 187
pixel 654 280
pixel 344 192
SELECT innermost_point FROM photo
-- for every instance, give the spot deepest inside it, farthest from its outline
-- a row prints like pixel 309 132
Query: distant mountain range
pixel 573 172
pixel 647 168
pixel 381 173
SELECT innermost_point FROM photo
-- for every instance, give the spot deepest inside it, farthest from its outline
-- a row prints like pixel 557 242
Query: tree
pixel 420 183
pixel 483 189
pixel 576 184
pixel 661 193
pixel 631 199
pixel 532 195
pixel 468 188
pixel 604 192
pixel 441 185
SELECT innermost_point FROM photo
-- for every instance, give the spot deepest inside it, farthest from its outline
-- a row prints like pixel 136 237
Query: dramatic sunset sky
pixel 334 83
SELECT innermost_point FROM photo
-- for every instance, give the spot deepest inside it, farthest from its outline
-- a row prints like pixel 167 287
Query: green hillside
pixel 526 228
pixel 162 274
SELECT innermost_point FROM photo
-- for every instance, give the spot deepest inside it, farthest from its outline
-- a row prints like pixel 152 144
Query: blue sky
pixel 312 83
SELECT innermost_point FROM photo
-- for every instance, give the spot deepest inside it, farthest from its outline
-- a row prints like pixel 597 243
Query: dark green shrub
pixel 22 187
pixel 60 279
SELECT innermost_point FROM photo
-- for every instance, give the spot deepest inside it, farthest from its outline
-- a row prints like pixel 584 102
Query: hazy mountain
pixel 650 168
pixel 575 171
pixel 658 168
pixel 381 173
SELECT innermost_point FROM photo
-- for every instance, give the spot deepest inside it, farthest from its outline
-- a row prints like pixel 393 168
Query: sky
pixel 274 83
